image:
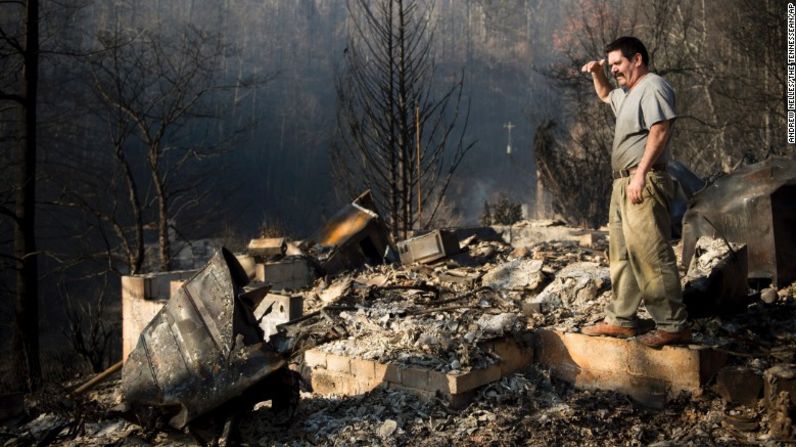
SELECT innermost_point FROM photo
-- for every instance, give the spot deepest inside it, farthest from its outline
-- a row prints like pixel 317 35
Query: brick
pixel 326 382
pixel 415 378
pixel 438 382
pixel 391 373
pixel 338 363
pixel 514 355
pixel 363 369
pixel 738 385
pixel 460 383
pixel 314 357
pixel 625 365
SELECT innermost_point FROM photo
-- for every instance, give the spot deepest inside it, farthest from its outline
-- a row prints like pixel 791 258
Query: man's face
pixel 626 71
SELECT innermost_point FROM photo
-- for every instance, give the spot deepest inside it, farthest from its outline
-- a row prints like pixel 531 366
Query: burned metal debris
pixel 202 349
pixel 353 237
pixel 755 205
pixel 716 279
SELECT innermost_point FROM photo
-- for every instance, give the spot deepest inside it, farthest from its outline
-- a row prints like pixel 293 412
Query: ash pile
pixel 223 362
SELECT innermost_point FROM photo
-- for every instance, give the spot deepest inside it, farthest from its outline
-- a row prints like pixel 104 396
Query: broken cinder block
pixel 289 273
pixel 267 247
pixel 142 298
pixel 283 309
pixel 429 247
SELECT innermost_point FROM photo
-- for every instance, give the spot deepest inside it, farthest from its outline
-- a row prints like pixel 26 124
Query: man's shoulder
pixel 658 82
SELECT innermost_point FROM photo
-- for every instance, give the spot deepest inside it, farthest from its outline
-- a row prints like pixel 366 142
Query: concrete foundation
pixel 332 374
pixel 142 298
pixel 648 375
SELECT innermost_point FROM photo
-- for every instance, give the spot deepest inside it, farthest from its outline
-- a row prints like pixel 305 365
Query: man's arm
pixel 601 84
pixel 656 141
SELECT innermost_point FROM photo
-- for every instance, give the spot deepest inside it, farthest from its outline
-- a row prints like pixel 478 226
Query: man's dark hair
pixel 629 46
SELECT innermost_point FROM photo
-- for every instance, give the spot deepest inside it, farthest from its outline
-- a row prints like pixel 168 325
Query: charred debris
pixel 222 361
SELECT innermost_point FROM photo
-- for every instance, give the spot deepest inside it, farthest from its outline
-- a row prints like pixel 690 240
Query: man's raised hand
pixel 593 66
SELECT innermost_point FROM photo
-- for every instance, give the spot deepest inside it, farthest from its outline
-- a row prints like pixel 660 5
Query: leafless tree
pixel 728 78
pixel 157 91
pixel 396 137
pixel 19 82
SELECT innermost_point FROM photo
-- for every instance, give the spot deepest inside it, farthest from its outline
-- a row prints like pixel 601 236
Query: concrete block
pixel 416 378
pixel 777 379
pixel 248 263
pixel 157 286
pixel 283 308
pixel 739 385
pixel 137 311
pixel 267 247
pixel 174 286
pixel 325 382
pixel 314 357
pixel 461 383
pixel 514 355
pixel 625 365
pixel 429 247
pixel 387 372
pixel 288 273
pixel 364 369
pixel 338 363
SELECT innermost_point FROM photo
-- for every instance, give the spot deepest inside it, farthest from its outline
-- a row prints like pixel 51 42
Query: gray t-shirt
pixel 648 102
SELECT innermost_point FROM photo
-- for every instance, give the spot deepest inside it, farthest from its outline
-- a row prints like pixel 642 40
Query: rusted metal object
pixel 355 236
pixel 755 205
pixel 202 349
pixel 429 247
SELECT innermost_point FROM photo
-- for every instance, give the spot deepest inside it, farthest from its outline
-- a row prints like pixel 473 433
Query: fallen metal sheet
pixel 202 349
pixel 355 236
pixel 755 205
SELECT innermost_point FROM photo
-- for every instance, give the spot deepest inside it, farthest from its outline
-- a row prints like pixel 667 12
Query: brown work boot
pixel 603 328
pixel 658 338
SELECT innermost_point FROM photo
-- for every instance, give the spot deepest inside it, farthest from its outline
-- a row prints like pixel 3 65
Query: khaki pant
pixel 642 261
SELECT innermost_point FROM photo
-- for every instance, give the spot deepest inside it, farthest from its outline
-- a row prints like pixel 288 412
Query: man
pixel 642 261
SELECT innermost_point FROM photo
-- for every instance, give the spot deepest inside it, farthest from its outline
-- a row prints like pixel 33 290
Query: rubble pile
pixel 223 359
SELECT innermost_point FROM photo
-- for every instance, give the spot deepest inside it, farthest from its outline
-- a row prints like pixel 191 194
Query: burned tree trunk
pixel 25 331
pixel 389 75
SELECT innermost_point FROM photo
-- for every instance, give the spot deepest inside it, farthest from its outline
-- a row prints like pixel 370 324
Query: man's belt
pixel 628 172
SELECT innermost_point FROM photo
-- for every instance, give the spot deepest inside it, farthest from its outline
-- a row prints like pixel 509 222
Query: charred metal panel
pixel 755 205
pixel 355 236
pixel 428 247
pixel 202 349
